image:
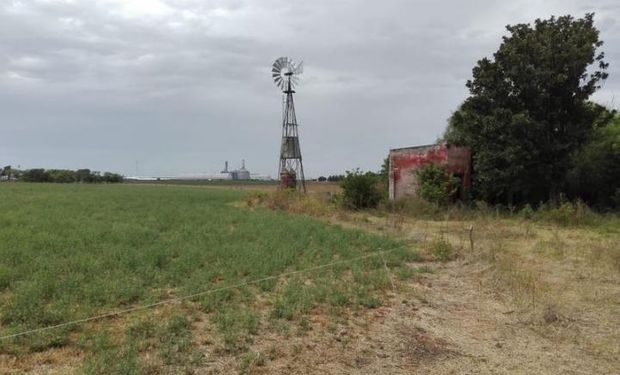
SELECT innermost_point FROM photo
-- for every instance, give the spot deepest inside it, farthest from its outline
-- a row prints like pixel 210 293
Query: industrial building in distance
pixel 237 174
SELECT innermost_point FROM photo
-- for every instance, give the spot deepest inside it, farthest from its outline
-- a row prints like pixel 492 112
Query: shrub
pixel 435 184
pixel 441 249
pixel 360 190
pixel 527 212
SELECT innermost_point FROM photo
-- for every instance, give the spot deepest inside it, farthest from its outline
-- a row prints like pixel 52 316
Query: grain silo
pixel 241 173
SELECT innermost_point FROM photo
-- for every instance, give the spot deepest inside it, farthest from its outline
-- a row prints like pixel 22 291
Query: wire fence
pixel 203 293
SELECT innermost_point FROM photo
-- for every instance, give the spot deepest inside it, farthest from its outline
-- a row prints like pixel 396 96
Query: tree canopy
pixel 595 176
pixel 528 110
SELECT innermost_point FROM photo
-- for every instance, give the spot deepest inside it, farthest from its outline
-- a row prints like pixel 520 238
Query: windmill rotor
pixel 285 71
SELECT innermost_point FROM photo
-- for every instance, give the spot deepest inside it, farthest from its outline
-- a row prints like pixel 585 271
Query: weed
pixel 441 249
pixel 527 212
pixel 111 358
pixel 550 314
pixel 368 301
pixel 218 299
pixel 425 269
pixel 282 310
pixel 272 353
pixel 304 325
pixel 405 272
pixel 233 325
pixel 176 340
pixel 249 361
pixel 338 297
pixel 142 332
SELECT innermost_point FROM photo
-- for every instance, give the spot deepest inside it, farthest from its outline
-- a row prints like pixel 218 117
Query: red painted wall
pixel 406 161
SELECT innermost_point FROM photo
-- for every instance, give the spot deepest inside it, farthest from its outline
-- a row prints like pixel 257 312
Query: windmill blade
pixel 278 64
pixel 299 68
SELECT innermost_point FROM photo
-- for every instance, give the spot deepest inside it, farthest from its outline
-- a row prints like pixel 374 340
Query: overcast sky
pixel 180 86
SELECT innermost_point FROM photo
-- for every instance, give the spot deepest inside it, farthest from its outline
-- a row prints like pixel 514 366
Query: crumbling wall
pixel 404 162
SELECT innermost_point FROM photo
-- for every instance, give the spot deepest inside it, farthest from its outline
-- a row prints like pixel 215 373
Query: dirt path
pixel 439 323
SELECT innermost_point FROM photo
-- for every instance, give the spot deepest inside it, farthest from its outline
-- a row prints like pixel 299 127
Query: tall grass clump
pixel 316 204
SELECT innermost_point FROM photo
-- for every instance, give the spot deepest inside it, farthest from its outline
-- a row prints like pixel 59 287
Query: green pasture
pixel 69 251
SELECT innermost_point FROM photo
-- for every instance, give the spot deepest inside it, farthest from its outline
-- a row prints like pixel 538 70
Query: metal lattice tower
pixel 291 171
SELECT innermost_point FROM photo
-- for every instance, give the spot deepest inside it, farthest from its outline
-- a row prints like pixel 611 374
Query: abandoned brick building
pixel 404 162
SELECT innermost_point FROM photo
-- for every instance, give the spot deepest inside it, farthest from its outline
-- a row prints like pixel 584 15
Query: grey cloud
pixel 182 85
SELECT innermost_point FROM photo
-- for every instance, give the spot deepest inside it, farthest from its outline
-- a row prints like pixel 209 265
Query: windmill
pixel 285 74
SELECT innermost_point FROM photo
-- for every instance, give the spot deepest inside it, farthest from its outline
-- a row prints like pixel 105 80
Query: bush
pixel 360 190
pixel 527 212
pixel 436 185
pixel 441 249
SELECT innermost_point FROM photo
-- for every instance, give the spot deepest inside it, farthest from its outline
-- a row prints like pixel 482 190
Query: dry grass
pixel 542 287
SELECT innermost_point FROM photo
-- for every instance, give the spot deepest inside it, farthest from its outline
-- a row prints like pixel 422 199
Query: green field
pixel 72 251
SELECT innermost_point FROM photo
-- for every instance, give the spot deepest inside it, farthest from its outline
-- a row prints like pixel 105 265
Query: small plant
pixel 527 212
pixel 234 326
pixel 441 249
pixel 110 358
pixel 249 361
pixel 405 272
pixel 425 269
pixel 304 325
pixel 364 298
pixel 176 340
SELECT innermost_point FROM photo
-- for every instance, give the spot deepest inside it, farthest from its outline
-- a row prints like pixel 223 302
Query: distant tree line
pixel 332 178
pixel 67 176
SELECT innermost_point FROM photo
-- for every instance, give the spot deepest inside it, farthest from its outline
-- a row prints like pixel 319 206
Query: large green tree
pixel 528 109
pixel 595 176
